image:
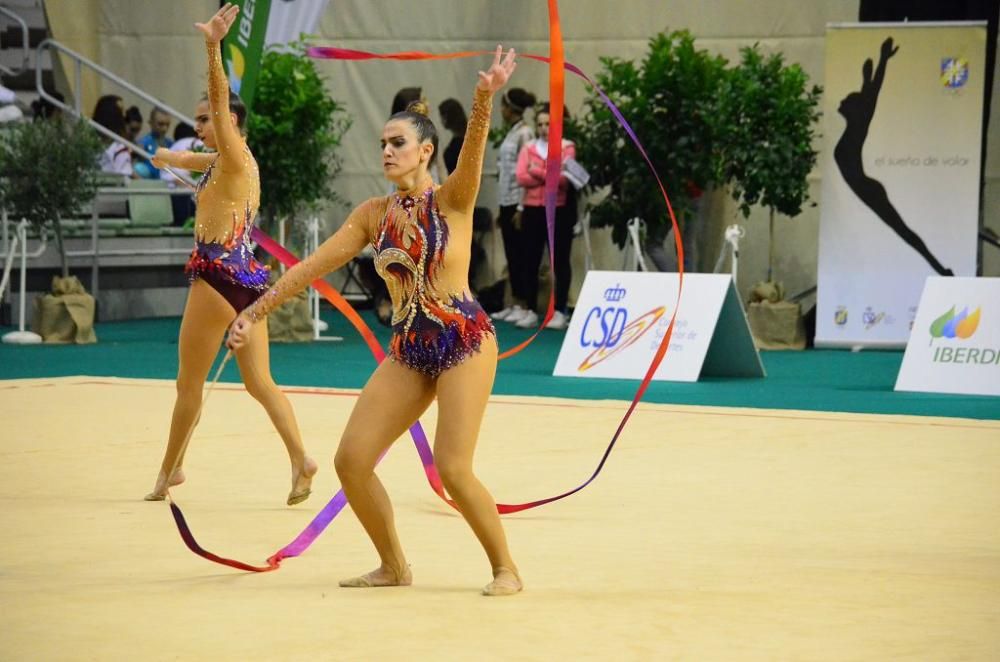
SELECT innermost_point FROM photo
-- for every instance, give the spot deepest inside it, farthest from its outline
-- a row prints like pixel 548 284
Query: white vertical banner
pixel 903 108
pixel 290 18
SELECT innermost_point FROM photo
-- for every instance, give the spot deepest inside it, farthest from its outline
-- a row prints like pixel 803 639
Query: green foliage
pixel 669 99
pixel 294 130
pixel 769 115
pixel 750 127
pixel 48 170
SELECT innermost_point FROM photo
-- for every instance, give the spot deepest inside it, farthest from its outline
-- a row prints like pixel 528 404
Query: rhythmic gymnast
pixel 225 277
pixel 443 343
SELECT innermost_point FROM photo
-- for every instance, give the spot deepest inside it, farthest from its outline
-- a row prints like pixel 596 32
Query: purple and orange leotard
pixel 422 240
pixel 228 196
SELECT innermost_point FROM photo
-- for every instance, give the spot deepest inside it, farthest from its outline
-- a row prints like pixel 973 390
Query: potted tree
pixel 294 130
pixel 670 99
pixel 49 169
pixel 768 111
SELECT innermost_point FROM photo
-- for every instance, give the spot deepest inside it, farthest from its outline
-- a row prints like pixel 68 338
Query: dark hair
pixel 404 98
pixel 416 114
pixel 518 99
pixel 132 114
pixel 453 115
pixel 43 109
pixel 545 108
pixel 156 111
pixel 236 106
pixel 108 113
pixel 183 130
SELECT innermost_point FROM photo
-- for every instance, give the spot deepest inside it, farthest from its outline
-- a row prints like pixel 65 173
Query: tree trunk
pixel 61 246
pixel 770 247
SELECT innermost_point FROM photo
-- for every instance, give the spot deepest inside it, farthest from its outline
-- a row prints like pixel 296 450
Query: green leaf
pixel 937 326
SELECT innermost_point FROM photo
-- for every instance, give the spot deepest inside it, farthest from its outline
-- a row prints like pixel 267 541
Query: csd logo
pixel 610 332
pixel 603 327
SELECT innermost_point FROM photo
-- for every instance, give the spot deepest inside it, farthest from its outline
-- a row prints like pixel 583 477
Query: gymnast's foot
pixel 382 576
pixel 159 492
pixel 302 481
pixel 505 582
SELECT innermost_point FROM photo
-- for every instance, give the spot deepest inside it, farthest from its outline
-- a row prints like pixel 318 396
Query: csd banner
pixel 263 23
pixel 900 194
pixel 621 318
pixel 955 343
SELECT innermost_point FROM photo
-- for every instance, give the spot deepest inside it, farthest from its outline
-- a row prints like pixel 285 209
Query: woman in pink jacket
pixel 531 176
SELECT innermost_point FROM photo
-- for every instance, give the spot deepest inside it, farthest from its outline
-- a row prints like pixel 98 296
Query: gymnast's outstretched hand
pixel 239 333
pixel 218 26
pixel 499 72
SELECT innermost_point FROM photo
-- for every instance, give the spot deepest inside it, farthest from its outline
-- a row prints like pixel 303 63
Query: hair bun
pixel 419 107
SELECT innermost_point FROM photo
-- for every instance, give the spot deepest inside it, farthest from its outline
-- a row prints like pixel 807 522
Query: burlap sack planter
pixel 66 314
pixel 777 325
pixel 292 321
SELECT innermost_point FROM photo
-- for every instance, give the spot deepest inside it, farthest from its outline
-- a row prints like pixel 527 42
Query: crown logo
pixel 614 294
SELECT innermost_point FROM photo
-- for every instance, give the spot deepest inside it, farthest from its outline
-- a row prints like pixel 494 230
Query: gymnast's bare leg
pixel 254 361
pixel 462 393
pixel 206 317
pixel 394 397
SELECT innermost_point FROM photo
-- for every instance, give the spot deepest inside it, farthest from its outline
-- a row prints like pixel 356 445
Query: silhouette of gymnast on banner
pixel 858 108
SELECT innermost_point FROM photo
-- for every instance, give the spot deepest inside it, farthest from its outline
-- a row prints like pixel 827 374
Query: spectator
pixel 185 140
pixel 109 112
pixel 513 103
pixel 133 124
pixel 405 97
pixel 531 163
pixel 43 109
pixel 159 127
pixel 9 111
pixel 453 118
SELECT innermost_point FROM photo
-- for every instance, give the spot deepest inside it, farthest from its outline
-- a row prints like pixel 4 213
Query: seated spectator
pixel 109 112
pixel 133 124
pixel 43 109
pixel 159 127
pixel 9 111
pixel 185 139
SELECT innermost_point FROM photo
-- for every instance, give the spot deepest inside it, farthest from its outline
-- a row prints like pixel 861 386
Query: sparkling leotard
pixel 422 243
pixel 228 196
pixel 431 332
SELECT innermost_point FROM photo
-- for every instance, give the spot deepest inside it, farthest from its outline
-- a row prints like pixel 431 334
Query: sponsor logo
pixel 870 318
pixel 954 72
pixel 961 326
pixel 615 294
pixel 236 64
pixel 840 316
pixel 609 331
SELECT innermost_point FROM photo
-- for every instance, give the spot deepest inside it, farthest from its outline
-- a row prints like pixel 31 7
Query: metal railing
pixel 25 36
pixel 79 61
pixel 95 253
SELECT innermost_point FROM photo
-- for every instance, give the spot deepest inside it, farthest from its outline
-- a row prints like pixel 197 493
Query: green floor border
pixel 817 380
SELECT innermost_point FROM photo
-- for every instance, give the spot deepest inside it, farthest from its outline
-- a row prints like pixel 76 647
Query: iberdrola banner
pixel 900 199
pixel 262 23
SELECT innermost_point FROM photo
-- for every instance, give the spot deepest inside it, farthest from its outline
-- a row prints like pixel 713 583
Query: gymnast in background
pixel 225 277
